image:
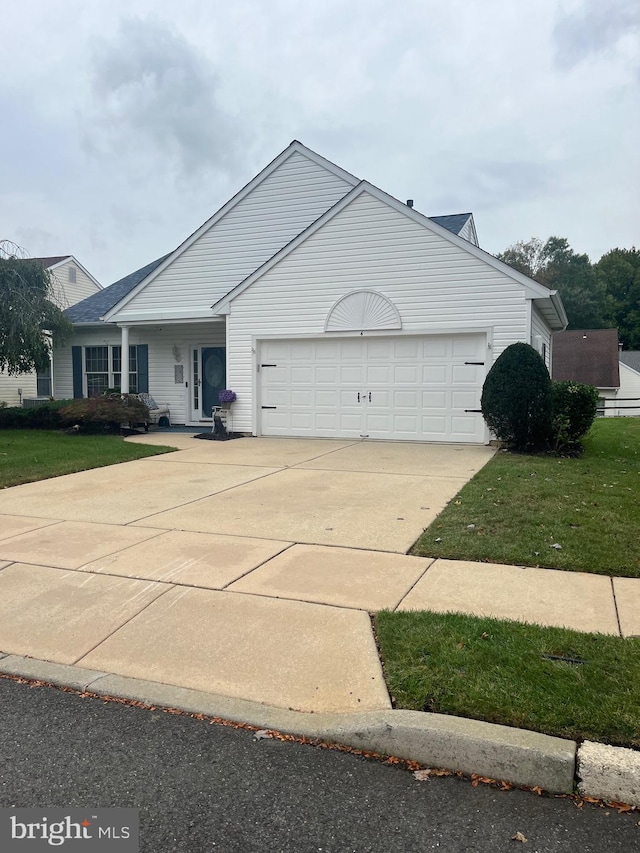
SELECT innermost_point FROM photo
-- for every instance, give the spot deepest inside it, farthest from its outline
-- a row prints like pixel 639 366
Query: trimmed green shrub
pixel 516 399
pixel 104 414
pixel 46 416
pixel 574 410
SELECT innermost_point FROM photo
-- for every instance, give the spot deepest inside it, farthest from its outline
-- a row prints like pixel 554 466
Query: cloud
pixel 593 27
pixel 157 97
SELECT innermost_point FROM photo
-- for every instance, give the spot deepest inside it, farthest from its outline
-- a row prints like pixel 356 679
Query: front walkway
pixel 249 568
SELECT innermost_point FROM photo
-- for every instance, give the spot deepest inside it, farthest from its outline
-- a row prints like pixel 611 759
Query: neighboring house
pixel 629 403
pixel 593 356
pixel 71 283
pixel 331 309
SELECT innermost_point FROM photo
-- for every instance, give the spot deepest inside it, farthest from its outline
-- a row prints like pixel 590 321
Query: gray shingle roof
pixel 91 309
pixel 51 261
pixel 454 222
pixel 631 358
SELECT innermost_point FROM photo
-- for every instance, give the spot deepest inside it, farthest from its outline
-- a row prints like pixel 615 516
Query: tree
pixel 516 399
pixel 619 273
pixel 29 317
pixel 556 265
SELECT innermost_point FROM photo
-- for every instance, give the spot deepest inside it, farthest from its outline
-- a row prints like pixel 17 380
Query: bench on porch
pixel 159 414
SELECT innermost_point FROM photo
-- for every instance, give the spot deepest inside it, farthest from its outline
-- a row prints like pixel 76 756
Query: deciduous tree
pixel 29 317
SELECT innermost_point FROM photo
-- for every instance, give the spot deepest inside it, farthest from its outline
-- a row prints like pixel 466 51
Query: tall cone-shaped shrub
pixel 516 399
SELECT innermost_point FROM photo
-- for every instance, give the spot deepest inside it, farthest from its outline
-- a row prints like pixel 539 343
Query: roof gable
pixel 586 355
pixel 554 313
pixel 292 191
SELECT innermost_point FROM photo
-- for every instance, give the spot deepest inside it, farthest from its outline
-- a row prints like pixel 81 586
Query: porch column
pixel 124 361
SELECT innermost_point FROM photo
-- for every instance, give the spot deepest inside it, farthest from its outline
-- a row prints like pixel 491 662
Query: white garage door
pixel 401 388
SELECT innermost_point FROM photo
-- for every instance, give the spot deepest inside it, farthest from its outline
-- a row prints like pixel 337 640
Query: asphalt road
pixel 203 787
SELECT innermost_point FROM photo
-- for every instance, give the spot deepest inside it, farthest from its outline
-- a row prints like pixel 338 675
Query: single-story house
pixel 594 356
pixel 328 306
pixel 71 283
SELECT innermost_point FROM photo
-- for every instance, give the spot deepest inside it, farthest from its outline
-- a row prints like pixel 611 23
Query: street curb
pixel 434 740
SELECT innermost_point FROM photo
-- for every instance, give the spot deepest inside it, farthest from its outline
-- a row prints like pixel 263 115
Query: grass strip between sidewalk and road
pixel 550 680
pixel 29 455
pixel 518 507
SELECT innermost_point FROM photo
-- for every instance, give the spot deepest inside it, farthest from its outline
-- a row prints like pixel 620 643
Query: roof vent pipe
pixel 409 202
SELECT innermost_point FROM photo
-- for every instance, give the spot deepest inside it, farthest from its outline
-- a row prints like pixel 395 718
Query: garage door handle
pixel 369 396
pixel 480 363
pixel 358 396
pixel 268 407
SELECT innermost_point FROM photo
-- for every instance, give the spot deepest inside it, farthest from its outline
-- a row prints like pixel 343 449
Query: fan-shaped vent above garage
pixel 362 310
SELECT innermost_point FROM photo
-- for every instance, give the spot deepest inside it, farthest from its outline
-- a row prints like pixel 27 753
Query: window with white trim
pixel 103 369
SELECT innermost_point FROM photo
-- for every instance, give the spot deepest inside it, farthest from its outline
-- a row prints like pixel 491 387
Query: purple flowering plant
pixel 227 396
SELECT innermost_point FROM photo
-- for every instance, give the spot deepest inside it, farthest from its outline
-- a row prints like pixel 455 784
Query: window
pixel 103 369
pixel 43 382
pixel 72 275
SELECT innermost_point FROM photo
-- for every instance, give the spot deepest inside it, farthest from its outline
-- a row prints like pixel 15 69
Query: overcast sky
pixel 126 123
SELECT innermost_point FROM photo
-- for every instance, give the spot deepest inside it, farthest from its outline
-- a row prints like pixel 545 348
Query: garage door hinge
pixel 268 407
pixel 475 362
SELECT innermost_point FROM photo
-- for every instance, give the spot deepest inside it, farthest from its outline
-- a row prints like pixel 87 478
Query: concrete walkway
pixel 250 568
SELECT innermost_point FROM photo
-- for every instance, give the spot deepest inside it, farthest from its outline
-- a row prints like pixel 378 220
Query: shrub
pixel 104 414
pixel 516 399
pixel 46 416
pixel 574 410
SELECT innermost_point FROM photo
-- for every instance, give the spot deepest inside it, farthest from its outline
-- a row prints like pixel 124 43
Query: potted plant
pixel 226 398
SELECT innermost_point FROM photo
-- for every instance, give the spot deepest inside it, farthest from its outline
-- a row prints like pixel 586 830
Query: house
pixel 71 283
pixel 593 356
pixel 331 308
pixel 629 395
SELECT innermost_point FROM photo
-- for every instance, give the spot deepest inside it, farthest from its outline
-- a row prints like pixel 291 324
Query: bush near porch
pixel 519 506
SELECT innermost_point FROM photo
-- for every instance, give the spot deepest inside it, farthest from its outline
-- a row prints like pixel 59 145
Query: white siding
pixel 162 359
pixel 435 285
pixel 273 213
pixel 68 292
pixel 9 387
pixel 540 329
pixel 629 387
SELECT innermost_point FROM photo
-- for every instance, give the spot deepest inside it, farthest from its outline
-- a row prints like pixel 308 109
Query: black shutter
pixel 76 361
pixel 143 368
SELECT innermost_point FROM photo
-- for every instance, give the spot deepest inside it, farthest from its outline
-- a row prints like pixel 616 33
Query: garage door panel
pixel 351 374
pixel 379 374
pixel 464 400
pixel 462 374
pixel 405 387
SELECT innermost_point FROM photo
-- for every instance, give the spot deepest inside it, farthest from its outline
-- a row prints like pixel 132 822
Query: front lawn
pixel 28 455
pixel 550 680
pixel 518 507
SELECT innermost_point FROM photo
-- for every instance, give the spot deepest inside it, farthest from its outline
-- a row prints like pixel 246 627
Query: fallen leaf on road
pixel 518 837
pixel 422 775
pixel 262 734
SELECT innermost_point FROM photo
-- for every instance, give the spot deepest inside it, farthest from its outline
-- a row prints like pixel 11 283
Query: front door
pixel 209 377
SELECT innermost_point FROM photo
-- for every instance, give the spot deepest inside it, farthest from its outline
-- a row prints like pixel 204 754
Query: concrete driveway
pixel 246 568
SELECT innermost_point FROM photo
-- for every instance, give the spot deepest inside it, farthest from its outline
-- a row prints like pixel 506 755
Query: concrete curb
pixel 609 773
pixel 435 740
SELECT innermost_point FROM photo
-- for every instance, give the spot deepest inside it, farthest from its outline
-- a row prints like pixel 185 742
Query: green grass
pixel 517 507
pixel 28 455
pixel 494 670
